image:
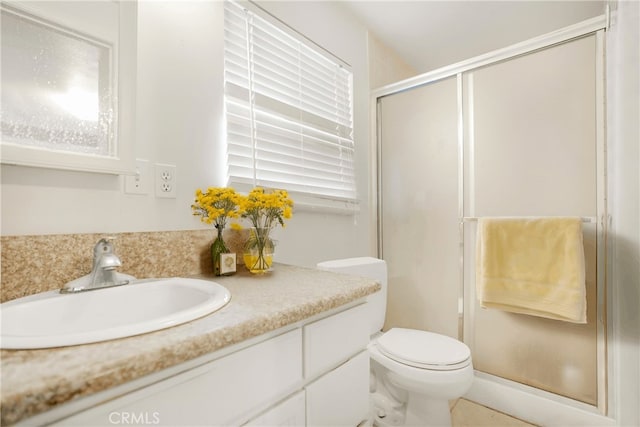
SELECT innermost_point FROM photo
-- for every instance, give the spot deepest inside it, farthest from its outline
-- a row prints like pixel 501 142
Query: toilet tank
pixel 372 268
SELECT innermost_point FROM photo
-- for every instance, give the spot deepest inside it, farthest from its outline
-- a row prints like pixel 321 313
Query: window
pixel 68 85
pixel 288 110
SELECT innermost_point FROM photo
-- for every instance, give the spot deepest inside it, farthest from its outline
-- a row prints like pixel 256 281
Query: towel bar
pixel 585 219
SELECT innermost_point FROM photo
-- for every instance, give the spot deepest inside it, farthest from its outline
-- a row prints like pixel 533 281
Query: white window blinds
pixel 288 110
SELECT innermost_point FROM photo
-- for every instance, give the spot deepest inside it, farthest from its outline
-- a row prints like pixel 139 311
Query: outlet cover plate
pixel 165 181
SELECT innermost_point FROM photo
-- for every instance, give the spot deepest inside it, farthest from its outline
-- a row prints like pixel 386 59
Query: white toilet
pixel 414 373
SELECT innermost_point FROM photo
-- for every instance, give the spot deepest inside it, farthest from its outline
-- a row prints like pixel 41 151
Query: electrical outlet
pixel 165 181
pixel 140 183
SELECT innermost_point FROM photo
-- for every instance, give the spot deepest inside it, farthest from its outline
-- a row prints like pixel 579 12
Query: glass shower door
pixel 418 197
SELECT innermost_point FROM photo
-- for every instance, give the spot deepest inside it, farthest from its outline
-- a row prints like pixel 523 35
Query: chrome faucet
pixel 103 273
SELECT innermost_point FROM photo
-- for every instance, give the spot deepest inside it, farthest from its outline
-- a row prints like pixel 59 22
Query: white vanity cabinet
pixel 314 374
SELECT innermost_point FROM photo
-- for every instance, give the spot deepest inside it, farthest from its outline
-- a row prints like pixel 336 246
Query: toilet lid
pixel 425 350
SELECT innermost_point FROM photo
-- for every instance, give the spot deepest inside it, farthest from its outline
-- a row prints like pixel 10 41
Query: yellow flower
pixel 266 208
pixel 216 205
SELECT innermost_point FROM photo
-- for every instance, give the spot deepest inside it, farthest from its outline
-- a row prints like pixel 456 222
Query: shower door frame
pixel 595 26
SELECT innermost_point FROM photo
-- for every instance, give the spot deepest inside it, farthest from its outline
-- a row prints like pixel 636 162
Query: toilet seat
pixel 425 350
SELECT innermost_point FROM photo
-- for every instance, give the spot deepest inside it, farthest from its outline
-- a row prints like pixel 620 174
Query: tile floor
pixel 465 413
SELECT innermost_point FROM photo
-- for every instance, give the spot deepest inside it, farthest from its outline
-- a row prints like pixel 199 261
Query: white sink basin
pixel 51 319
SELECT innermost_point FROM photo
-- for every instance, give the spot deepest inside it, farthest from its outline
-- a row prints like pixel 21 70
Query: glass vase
pixel 218 247
pixel 258 251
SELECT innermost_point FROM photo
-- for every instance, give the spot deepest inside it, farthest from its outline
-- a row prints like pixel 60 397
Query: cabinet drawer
pixel 222 392
pixel 341 397
pixel 330 341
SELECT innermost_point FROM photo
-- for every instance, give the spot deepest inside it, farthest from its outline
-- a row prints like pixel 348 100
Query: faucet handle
pixel 110 240
pixel 104 246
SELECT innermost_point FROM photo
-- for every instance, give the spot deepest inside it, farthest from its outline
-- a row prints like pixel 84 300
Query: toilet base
pixel 419 412
pixel 424 411
pixel 397 401
pixel 386 411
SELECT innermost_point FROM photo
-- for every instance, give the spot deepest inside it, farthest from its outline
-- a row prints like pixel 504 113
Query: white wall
pixel 623 138
pixel 180 122
pixel 385 65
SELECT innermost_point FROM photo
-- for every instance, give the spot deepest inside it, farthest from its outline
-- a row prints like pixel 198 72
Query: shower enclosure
pixel 517 132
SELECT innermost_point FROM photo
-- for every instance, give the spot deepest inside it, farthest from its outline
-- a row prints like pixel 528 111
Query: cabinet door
pixel 290 413
pixel 340 397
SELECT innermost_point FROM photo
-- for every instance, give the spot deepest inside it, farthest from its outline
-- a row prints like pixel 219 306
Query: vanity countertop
pixel 34 381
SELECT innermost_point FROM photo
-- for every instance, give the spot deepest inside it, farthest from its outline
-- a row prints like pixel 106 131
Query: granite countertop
pixel 34 381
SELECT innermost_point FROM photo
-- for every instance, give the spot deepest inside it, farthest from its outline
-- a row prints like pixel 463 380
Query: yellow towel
pixel 533 266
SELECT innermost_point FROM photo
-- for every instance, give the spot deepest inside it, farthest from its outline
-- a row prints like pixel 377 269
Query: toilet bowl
pixel 414 373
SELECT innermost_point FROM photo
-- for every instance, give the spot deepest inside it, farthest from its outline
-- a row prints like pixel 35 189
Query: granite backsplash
pixel 33 264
